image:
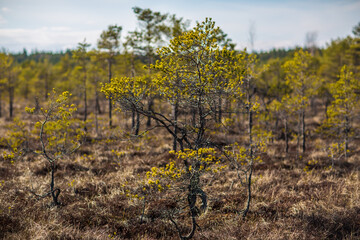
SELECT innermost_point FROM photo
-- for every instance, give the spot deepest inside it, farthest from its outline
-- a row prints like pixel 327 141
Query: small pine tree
pixel 59 134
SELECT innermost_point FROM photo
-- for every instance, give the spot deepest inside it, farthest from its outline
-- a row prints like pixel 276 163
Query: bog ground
pixel 288 201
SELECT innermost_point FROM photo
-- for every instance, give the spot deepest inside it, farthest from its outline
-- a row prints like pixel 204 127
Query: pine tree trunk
pixel 151 100
pixel 175 114
pixel 347 130
pixel 250 115
pixel 220 110
pixel 85 100
pixel 110 102
pixel 11 101
pixel 97 102
pixel 193 113
pixel 299 133
pixel 133 119
pixel 97 110
pixel 0 104
pixel 137 126
pixel 303 133
pixel 46 87
pixel 286 136
pixel 54 192
pixel 228 108
pixel 150 108
pixel 251 164
pixel 276 127
pixel 326 110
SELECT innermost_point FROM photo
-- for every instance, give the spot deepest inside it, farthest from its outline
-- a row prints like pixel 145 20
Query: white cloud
pixel 54 38
pixel 5 9
pixel 278 23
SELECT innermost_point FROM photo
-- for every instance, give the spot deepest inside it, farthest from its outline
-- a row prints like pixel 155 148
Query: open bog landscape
pixel 288 202
pixel 159 127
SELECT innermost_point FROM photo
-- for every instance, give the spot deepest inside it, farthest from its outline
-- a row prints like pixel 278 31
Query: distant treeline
pixel 55 57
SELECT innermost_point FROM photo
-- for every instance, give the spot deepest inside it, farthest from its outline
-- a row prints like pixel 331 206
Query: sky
pixel 55 25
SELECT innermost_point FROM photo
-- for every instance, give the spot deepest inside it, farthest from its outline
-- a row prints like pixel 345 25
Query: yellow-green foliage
pixel 242 159
pixel 59 133
pixel 260 138
pixel 311 164
pixel 343 109
pixel 193 72
pixel 301 77
pixel 127 90
pixel 345 102
pixel 286 106
pixel 192 68
pixel 180 170
pixel 176 176
pixel 336 150
pixel 240 155
pixel 6 61
pixel 16 139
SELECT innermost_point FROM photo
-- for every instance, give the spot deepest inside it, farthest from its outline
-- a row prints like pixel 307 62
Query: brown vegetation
pixel 292 199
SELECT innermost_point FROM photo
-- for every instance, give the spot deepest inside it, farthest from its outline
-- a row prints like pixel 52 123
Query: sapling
pixel 59 135
pixel 243 159
pixel 180 186
pixel 183 178
pixel 300 73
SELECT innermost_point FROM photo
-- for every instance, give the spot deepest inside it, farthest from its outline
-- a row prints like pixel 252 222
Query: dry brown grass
pixel 288 203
